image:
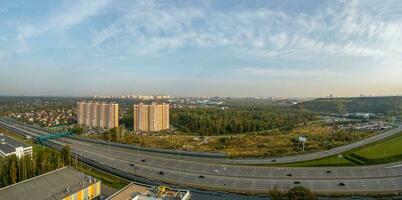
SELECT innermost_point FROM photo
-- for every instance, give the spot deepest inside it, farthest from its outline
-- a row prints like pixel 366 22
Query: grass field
pixel 272 143
pixel 392 147
pixel 386 151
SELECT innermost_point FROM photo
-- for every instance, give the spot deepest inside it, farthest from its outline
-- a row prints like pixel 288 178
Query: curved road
pixel 229 177
pixel 218 158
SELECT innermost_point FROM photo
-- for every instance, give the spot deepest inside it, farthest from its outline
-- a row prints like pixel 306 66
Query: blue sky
pixel 201 48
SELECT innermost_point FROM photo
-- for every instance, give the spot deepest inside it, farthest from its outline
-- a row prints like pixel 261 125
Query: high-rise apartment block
pixel 149 118
pixel 98 115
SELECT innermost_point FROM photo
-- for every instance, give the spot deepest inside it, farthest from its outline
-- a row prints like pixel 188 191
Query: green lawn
pixel 392 147
pixel 389 150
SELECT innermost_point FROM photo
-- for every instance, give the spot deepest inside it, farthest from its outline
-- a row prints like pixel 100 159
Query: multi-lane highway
pixel 213 174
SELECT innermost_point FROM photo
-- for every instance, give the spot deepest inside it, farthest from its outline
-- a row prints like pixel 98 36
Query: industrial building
pixel 149 118
pixel 98 115
pixel 65 183
pixel 10 146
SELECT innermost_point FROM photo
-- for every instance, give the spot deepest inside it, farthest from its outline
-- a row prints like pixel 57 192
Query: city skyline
pixel 201 48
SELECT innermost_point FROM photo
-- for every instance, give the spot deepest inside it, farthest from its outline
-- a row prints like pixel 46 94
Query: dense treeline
pixel 233 121
pixel 14 170
pixel 386 105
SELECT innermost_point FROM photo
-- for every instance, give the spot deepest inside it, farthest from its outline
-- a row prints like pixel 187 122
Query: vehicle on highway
pixel 201 176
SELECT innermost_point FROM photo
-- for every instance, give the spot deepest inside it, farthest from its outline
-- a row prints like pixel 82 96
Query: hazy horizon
pixel 275 48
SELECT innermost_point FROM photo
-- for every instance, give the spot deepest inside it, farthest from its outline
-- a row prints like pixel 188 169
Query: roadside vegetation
pixel 296 193
pixel 43 160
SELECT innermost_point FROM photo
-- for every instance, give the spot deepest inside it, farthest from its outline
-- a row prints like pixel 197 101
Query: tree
pixel 13 169
pixel 65 155
pixel 296 193
pixel 300 193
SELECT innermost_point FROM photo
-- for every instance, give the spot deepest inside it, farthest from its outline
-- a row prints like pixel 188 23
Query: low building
pixel 136 191
pixel 60 184
pixel 10 146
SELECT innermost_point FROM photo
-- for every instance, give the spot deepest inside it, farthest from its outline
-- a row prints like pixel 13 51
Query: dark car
pixel 132 165
pixel 288 174
pixel 296 182
pixel 161 173
pixel 143 160
pixel 328 172
pixel 201 176
pixel 341 184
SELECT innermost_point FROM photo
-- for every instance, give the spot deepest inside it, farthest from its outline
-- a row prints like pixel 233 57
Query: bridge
pixel 43 138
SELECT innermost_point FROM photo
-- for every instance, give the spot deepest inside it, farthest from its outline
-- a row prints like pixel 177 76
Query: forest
pixel 215 121
pixel 43 160
pixel 385 105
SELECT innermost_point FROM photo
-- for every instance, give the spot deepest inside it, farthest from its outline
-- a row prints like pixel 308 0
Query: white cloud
pixel 61 20
pixel 354 29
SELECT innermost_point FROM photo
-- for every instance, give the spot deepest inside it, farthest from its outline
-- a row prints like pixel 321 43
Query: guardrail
pixel 155 150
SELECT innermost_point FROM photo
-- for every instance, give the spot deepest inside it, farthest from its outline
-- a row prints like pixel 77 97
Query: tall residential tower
pixel 98 115
pixel 149 118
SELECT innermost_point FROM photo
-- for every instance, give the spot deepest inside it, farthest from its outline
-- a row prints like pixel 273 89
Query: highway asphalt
pixel 212 175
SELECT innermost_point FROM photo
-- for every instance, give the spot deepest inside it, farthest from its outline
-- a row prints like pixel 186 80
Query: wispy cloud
pixel 337 28
pixel 59 20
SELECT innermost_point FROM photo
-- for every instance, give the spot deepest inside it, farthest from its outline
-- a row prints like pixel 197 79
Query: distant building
pixel 65 183
pixel 149 118
pixel 98 115
pixel 10 146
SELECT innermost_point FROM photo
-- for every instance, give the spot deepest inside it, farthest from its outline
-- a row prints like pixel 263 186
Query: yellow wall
pixel 92 191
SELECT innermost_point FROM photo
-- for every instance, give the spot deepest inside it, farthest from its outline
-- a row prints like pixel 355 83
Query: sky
pixel 201 48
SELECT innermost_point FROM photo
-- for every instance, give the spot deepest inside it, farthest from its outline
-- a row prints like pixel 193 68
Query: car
pixel 288 174
pixel 201 176
pixel 143 160
pixel 215 170
pixel 341 184
pixel 296 182
pixel 328 172
pixel 273 160
pixel 132 165
pixel 161 173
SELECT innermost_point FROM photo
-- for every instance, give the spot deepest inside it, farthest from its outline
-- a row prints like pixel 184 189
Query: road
pixel 211 175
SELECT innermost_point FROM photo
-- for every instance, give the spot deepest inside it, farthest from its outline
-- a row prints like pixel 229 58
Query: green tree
pixel 13 169
pixel 300 193
pixel 65 155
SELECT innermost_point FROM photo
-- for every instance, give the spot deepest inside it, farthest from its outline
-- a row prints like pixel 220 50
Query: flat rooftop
pixel 144 192
pixel 8 144
pixel 51 185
